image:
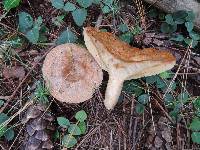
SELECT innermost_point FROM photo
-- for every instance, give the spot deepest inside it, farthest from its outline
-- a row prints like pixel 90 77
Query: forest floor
pixel 168 119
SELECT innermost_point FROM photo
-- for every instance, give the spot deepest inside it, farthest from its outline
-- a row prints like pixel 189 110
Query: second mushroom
pixel 123 62
pixel 71 73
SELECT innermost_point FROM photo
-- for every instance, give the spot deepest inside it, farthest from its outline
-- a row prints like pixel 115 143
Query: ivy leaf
pixel 56 135
pixel 188 41
pixel 197 103
pixel 68 141
pixel 190 16
pixel 165 75
pixel 194 43
pixel 25 21
pixel 123 28
pixel 2 32
pixel 108 2
pixel 139 108
pixel 63 122
pixel 183 97
pixel 161 84
pixel 69 7
pixel 43 29
pixel 167 28
pixel 42 38
pixel 105 9
pixel 58 4
pixel 179 21
pixel 189 26
pixel 82 127
pixel 153 13
pixel 66 36
pixel 169 19
pixel 96 1
pixel 33 34
pixel 9 4
pixel 175 115
pixel 136 30
pixel 195 124
pixel 103 30
pixel 181 14
pixel 143 99
pixel 194 35
pixel 3 117
pixel 151 79
pixel 79 16
pixel 81 116
pixel 1 102
pixel 85 3
pixel 132 87
pixel 9 134
pixel 2 130
pixel 196 137
pixel 178 38
pixel 126 37
pixel 191 42
pixel 38 22
pixel 138 91
pixel 74 129
pixel 168 98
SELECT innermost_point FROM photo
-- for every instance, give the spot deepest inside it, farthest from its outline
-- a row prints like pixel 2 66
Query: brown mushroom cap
pixel 71 73
pixel 122 50
pixel 114 54
pixel 123 62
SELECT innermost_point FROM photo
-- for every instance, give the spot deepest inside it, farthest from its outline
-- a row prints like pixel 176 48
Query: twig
pixel 168 88
pixel 177 135
pixel 99 21
pixel 134 133
pixel 12 29
pixel 151 111
pixel 111 139
pixel 124 124
pixel 4 97
pixel 131 119
pixel 166 114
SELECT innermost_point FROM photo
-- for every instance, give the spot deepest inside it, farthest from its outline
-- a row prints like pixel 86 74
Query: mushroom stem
pixel 113 91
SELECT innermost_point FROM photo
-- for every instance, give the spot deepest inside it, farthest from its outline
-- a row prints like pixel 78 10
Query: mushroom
pixel 71 73
pixel 123 62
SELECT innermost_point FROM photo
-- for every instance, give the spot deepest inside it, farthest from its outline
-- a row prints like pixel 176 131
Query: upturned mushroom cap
pixel 123 62
pixel 71 73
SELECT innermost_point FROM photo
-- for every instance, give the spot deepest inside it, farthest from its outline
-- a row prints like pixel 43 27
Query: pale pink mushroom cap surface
pixel 71 73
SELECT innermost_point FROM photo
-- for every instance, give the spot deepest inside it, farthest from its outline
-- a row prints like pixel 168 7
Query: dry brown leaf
pixel 14 72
